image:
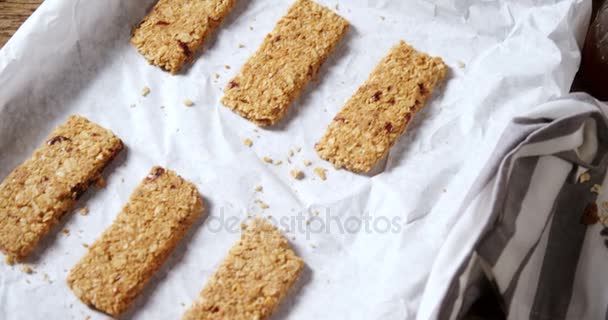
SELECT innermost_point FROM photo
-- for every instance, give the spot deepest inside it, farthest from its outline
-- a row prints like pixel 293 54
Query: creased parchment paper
pixel 374 243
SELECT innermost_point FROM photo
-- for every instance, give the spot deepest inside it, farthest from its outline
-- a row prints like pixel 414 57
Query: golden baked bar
pixel 375 117
pixel 42 189
pixel 252 280
pixel 174 30
pixel 288 58
pixel 120 263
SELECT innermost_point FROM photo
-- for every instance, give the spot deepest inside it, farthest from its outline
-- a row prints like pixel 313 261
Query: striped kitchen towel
pixel 542 216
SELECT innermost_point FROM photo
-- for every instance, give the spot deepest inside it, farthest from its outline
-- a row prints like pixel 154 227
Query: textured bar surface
pixel 377 115
pixel 174 30
pixel 41 190
pixel 120 263
pixel 252 280
pixel 288 58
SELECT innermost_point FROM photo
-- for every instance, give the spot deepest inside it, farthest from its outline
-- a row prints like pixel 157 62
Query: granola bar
pixel 42 189
pixel 252 280
pixel 120 263
pixel 289 57
pixel 174 30
pixel 375 117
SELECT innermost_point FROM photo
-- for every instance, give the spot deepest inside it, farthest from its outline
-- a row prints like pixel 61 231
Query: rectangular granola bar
pixel 288 58
pixel 252 280
pixel 120 263
pixel 375 117
pixel 174 30
pixel 42 189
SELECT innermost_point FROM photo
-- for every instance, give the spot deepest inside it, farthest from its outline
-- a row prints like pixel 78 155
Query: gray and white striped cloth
pixel 539 238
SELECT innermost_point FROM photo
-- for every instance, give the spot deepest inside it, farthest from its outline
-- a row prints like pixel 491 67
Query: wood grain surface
pixel 12 15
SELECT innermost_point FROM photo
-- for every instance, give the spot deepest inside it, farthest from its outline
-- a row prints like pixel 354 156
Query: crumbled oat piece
pixel 315 213
pixel 585 177
pixel 46 186
pixel 26 269
pixel 227 67
pixel 100 182
pixel 312 245
pixel 188 103
pixel 290 153
pixel 307 221
pixel 307 163
pixel 174 30
pixel 169 205
pixel 267 159
pixel 297 174
pixel 337 6
pixel 65 231
pixel 278 163
pixel 247 142
pixel 259 188
pixel 241 46
pixel 45 277
pixel 292 54
pixel 84 211
pixel 379 112
pixel 252 280
pixel 85 245
pixel 321 173
pixel 145 91
pixel 298 149
pixel 596 188
pixel 461 64
pixel 262 204
pixel 216 75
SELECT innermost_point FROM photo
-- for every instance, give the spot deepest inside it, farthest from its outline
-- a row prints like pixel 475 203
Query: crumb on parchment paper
pixel 262 204
pixel 248 142
pixel 321 173
pixel 297 174
pixel 26 269
pixel 100 182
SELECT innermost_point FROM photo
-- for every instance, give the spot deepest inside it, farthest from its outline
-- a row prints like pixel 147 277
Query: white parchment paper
pixel 373 247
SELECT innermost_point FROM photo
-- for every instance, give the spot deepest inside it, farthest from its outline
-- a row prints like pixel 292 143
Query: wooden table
pixel 12 15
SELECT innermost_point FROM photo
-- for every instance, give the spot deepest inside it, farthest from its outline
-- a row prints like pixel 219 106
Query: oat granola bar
pixel 375 117
pixel 120 263
pixel 174 30
pixel 252 280
pixel 289 57
pixel 42 189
